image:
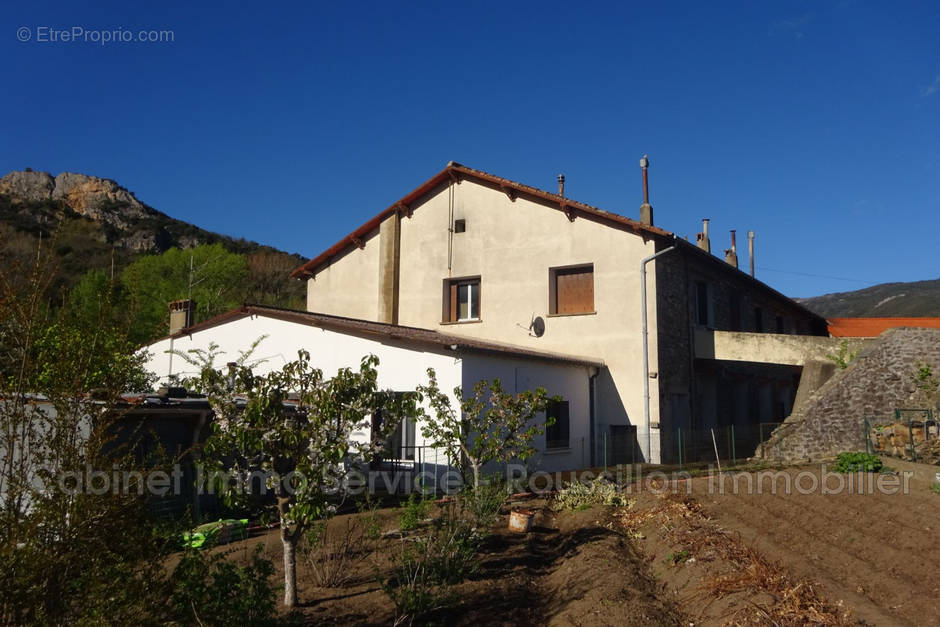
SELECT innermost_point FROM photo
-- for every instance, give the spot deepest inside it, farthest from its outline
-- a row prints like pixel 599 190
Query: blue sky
pixel 815 124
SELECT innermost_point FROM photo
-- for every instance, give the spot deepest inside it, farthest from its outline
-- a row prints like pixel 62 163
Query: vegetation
pixel 917 298
pixel 843 358
pixel 208 589
pixel 581 495
pixel 295 425
pixel 414 511
pixel 489 425
pixel 857 462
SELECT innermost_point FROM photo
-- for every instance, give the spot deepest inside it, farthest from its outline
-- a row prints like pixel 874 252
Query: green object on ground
pixel 221 531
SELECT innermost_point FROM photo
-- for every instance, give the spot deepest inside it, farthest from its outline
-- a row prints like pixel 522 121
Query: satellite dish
pixel 537 326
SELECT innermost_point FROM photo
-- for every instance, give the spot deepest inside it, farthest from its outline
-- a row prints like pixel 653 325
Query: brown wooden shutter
pixel 452 314
pixel 574 290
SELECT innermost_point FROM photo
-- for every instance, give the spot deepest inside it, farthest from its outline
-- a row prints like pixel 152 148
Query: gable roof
pixel 408 335
pixel 873 327
pixel 455 171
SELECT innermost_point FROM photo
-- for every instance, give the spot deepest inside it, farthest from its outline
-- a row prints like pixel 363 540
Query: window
pixel 461 300
pixel 703 305
pixel 758 319
pixel 400 444
pixel 781 325
pixel 571 290
pixel 556 435
pixel 460 226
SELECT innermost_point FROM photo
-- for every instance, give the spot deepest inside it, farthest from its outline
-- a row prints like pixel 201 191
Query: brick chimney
pixel 731 255
pixel 181 315
pixel 702 238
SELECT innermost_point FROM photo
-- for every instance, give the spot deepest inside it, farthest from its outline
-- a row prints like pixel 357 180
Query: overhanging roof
pixel 408 335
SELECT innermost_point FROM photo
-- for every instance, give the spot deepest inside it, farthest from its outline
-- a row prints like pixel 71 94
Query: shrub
pixel 600 491
pixel 857 462
pixel 211 590
pixel 330 555
pixel 426 566
pixel 415 511
pixel 483 504
pixel 935 487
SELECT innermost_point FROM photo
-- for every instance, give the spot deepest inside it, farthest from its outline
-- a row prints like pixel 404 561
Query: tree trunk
pixel 290 568
pixel 476 476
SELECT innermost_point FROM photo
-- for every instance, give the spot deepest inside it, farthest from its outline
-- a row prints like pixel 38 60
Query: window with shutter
pixel 571 290
pixel 461 300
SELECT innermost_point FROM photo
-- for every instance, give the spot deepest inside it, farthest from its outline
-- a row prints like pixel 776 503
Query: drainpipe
pixel 646 357
pixel 592 404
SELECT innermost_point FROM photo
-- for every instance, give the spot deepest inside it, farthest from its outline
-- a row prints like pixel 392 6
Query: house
pixel 405 354
pixel 486 259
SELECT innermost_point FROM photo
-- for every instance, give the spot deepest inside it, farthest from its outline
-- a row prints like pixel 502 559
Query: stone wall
pixel 880 379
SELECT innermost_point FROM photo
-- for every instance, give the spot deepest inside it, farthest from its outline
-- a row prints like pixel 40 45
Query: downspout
pixel 450 226
pixel 646 357
pixel 592 411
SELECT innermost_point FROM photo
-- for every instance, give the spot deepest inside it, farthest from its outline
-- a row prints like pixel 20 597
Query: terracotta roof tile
pixel 873 327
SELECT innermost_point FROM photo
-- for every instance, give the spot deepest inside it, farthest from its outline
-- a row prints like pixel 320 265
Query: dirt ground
pixel 679 559
pixel 869 558
pixel 573 568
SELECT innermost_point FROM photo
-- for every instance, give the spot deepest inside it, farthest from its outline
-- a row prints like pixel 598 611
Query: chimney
pixel 561 184
pixel 702 238
pixel 750 249
pixel 731 255
pixel 181 315
pixel 646 209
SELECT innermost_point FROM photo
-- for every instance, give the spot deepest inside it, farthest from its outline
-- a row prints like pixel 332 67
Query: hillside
pixel 919 298
pixel 95 223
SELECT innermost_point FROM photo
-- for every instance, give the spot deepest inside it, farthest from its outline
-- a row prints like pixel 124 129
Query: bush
pixel 935 487
pixel 211 590
pixel 427 565
pixel 857 462
pixel 600 491
pixel 414 512
pixel 330 555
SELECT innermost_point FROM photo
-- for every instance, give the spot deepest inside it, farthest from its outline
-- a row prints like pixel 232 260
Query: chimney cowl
pixel 561 184
pixel 646 209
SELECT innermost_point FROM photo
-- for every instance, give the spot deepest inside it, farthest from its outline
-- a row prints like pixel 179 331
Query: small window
pixel 571 290
pixel 461 300
pixel 557 434
pixel 781 325
pixel 758 320
pixel 460 226
pixel 703 305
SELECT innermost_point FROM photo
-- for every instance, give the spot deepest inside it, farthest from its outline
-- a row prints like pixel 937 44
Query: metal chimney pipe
pixel 561 184
pixel 750 249
pixel 734 247
pixel 646 209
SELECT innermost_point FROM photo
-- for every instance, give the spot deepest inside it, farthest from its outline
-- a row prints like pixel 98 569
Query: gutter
pixel 646 357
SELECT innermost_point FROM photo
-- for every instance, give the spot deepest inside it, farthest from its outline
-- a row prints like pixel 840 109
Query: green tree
pixel 209 274
pixel 67 553
pixel 296 425
pixel 489 425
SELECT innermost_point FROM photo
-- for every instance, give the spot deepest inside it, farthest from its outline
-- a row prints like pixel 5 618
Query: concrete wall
pixel 351 285
pixel 569 382
pixel 879 380
pixel 772 348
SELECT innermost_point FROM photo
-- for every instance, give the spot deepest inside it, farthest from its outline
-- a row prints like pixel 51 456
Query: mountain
pixel 887 300
pixel 95 223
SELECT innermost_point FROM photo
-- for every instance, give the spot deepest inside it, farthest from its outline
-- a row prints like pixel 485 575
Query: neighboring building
pixel 483 258
pixel 873 327
pixel 404 355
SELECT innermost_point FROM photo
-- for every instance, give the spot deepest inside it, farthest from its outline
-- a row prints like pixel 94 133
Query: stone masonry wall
pixel 874 384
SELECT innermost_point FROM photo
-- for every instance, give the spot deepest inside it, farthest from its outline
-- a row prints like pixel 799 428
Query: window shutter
pixel 574 290
pixel 452 314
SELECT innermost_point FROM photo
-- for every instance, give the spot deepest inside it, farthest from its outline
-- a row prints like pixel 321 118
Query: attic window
pixel 460 226
pixel 571 290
